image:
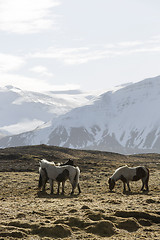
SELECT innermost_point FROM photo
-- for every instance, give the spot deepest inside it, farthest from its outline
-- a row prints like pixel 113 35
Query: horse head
pixel 111 184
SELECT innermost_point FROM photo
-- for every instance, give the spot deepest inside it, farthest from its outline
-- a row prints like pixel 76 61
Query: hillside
pixel 27 213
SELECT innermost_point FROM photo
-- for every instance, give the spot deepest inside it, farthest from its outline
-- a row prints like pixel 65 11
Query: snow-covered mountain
pixel 22 111
pixel 126 120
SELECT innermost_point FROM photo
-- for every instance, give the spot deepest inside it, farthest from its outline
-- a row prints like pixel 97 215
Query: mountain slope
pixel 125 121
pixel 22 111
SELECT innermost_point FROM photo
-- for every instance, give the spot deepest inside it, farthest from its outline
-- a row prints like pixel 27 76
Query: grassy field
pixel 27 213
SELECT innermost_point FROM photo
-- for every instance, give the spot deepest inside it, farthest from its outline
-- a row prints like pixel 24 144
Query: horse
pixel 69 162
pixel 43 178
pixel 48 170
pixel 127 174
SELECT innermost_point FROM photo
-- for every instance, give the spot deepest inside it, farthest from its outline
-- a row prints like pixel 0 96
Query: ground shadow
pixel 137 193
pixel 131 193
pixel 41 194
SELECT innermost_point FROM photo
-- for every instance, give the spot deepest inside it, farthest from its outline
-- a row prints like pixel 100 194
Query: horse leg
pixel 142 184
pixel 73 187
pixel 128 187
pixel 146 185
pixel 147 180
pixel 51 186
pixel 43 188
pixel 72 190
pixel 63 183
pixel 44 184
pixel 124 187
pixel 58 188
pixel 79 188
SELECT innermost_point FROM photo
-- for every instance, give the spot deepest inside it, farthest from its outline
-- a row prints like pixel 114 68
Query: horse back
pixel 141 172
pixel 62 177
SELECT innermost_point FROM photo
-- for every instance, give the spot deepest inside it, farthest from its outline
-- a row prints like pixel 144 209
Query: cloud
pixel 71 56
pixel 27 16
pixel 130 44
pixel 44 81
pixel 42 71
pixel 10 62
pixel 67 55
pixel 33 84
pixel 81 55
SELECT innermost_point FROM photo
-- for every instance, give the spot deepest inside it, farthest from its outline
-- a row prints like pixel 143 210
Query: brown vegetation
pixel 96 213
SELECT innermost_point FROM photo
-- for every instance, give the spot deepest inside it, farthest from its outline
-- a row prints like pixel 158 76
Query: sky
pixel 78 44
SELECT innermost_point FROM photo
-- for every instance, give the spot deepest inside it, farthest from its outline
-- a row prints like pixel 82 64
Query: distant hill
pixel 26 158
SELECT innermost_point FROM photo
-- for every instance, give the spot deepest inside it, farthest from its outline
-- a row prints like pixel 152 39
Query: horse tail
pixel 147 179
pixel 76 177
pixel 41 179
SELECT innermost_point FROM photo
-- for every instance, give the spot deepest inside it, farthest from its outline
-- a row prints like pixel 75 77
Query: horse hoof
pixel 145 190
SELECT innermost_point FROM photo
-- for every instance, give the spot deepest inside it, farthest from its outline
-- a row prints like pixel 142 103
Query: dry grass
pixel 97 213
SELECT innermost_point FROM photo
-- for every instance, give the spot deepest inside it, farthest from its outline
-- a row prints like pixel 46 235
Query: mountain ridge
pixel 125 121
pixel 23 111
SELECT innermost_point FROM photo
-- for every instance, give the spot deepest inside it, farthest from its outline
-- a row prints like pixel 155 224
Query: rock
pixel 95 216
pixel 103 228
pixel 130 225
pixel 59 231
pixel 76 222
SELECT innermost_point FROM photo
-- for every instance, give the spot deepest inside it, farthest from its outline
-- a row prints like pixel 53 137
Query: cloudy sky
pixel 78 44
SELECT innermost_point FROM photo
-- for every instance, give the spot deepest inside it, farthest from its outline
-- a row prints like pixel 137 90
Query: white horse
pixel 43 178
pixel 48 170
pixel 127 174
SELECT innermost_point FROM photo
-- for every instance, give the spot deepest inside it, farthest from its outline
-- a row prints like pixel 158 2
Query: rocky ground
pixel 27 213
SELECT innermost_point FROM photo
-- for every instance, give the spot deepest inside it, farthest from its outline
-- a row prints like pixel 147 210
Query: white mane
pixel 120 168
pixel 44 162
pixel 119 171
